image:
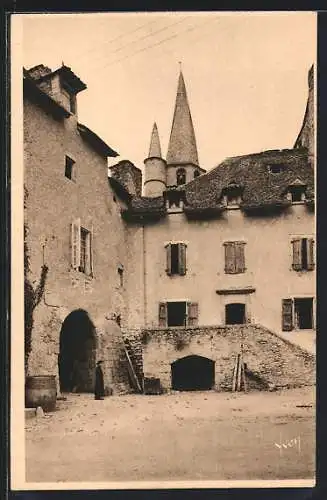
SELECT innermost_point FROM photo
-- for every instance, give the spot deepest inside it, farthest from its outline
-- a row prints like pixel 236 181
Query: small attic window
pixel 296 191
pixel 296 194
pixel 277 168
pixel 232 194
pixel 174 198
pixel 196 174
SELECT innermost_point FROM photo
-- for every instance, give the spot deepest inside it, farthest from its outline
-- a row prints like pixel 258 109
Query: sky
pixel 245 75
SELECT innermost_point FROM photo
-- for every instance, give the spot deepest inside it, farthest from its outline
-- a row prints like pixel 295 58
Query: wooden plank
pixel 238 384
pixel 244 379
pixel 234 375
pixel 132 371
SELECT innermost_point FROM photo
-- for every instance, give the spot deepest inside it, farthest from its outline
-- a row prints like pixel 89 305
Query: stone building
pixel 74 228
pixel 199 267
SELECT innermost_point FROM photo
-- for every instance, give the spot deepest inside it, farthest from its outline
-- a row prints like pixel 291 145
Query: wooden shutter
pixel 168 257
pixel 89 256
pixel 91 250
pixel 182 259
pixel 310 254
pixel 162 314
pixel 192 313
pixel 239 257
pixel 229 258
pixel 76 244
pixel 297 265
pixel 287 315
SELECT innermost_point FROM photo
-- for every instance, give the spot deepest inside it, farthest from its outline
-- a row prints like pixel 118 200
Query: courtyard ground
pixel 178 436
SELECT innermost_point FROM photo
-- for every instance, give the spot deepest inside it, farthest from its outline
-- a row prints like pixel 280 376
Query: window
pixel 176 259
pixel 234 257
pixel 196 174
pixel 303 254
pixel 296 191
pixel 181 176
pixel 81 248
pixel 297 314
pixel 277 168
pixel 69 168
pixel 174 198
pixel 232 194
pixel 235 314
pixel 297 194
pixel 178 313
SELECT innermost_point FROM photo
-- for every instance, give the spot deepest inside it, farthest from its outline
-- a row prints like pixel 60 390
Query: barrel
pixel 41 390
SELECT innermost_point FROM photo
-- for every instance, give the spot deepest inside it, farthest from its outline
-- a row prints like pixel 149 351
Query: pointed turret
pixel 155 149
pixel 182 144
pixel 155 168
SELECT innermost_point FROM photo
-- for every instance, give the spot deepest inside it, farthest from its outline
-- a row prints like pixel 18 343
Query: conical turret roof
pixel 182 143
pixel 155 149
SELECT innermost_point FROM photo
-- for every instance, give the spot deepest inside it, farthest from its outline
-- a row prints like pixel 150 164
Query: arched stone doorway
pixel 77 353
pixel 192 373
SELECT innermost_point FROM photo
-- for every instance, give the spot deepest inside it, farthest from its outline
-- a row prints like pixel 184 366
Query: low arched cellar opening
pixel 77 356
pixel 193 373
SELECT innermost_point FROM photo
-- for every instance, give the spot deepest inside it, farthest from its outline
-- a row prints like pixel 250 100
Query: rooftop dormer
pixel 232 195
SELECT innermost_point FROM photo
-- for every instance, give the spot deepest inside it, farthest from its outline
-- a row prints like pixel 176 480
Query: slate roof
pixel 182 144
pixel 96 142
pixel 155 148
pixel 260 187
pixel 66 73
pixel 145 207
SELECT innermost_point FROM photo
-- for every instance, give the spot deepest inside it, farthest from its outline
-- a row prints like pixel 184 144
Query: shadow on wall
pixel 77 355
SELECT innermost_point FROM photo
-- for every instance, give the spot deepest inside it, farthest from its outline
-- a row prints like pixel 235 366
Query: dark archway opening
pixel 193 373
pixel 77 353
pixel 235 314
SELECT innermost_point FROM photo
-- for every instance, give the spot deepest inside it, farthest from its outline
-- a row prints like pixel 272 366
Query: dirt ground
pixel 178 436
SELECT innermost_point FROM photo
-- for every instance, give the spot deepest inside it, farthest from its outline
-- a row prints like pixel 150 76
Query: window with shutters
pixel 303 254
pixel 297 314
pixel 176 259
pixel 234 257
pixel 287 315
pixel 81 248
pixel 178 313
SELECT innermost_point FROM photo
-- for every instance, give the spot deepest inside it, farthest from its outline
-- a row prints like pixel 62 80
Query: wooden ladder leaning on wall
pixel 239 380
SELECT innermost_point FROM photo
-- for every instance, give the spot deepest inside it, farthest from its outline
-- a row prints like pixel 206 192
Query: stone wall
pixel 275 361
